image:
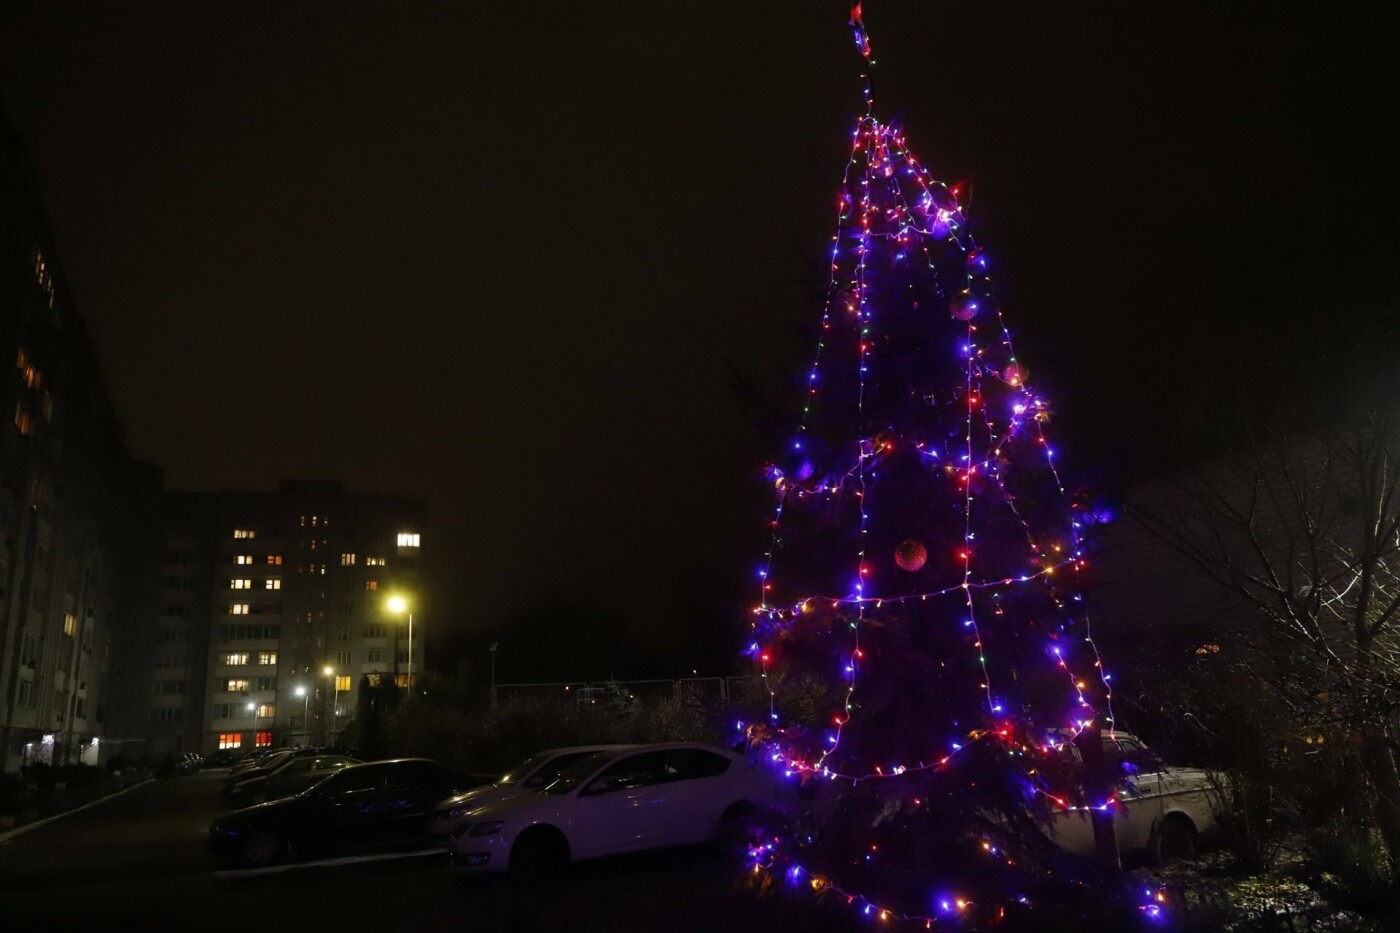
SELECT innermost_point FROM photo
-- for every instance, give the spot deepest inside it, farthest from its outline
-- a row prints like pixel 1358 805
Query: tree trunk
pixel 1378 758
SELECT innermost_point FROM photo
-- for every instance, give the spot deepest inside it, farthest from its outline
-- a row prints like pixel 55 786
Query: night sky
pixel 555 266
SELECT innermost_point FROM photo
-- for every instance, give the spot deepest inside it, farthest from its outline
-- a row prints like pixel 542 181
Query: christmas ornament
pixel 911 555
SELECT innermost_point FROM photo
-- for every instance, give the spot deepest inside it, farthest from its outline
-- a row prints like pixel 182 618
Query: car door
pixel 348 811
pixel 618 809
pixel 696 795
pixel 412 790
pixel 1139 792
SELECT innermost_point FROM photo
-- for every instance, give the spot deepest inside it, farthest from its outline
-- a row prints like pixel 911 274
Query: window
pixel 228 710
pixel 235 658
pixel 273 583
pixel 374 655
pixel 23 420
pixel 240 584
pixel 267 657
pixel 374 562
pixel 263 740
pixel 234 685
pixel 342 682
pixel 70 624
pixel 408 539
pixel 265 710
pixel 168 714
pixel 264 683
pixel 342 657
pixel 168 687
pixel 343 633
pixel 347 560
pixel 230 740
pixel 400 680
pixel 241 632
pixel 371 585
pixel 26 693
pixel 243 558
pixel 274 560
pixel 170 657
pixel 632 771
pixel 29 650
pixel 375 630
pixel 244 533
pixel 238 609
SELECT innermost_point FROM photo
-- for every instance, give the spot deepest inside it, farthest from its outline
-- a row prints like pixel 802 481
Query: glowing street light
pixel 305 695
pixel 335 699
pixel 399 606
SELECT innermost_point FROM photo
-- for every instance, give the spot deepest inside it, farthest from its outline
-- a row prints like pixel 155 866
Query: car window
pixel 332 763
pixel 296 766
pixel 574 775
pixel 419 773
pixel 632 771
pixel 551 770
pixel 684 764
pixel 514 775
pixel 352 780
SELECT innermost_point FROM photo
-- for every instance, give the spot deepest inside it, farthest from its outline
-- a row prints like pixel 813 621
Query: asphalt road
pixel 137 862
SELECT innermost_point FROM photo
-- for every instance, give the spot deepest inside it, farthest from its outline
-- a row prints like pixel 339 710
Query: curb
pixel 9 834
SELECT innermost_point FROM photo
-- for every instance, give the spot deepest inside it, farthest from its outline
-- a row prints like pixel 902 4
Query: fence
pixel 690 691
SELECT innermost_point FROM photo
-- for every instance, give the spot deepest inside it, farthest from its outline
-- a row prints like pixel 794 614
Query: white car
pixel 613 802
pixel 1159 810
pixel 532 774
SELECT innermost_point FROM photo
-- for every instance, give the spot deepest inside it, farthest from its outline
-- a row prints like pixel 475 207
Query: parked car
pixel 290 776
pixel 613 802
pixel 1161 811
pixel 254 758
pixel 379 805
pixel 533 774
pixel 263 768
pixel 181 763
pixel 222 758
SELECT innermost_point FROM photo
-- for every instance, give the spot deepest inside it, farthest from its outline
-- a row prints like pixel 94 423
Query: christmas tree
pixel 921 635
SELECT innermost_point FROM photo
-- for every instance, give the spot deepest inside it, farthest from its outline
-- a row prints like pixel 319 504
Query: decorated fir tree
pixel 921 634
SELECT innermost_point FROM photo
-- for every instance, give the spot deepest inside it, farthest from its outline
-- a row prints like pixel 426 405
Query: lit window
pixel 266 711
pixel 273 583
pixel 238 609
pixel 244 533
pixel 243 558
pixel 264 740
pixel 400 680
pixel 267 657
pixel 23 421
pixel 230 740
pixel 342 682
pixel 347 560
pixel 70 624
pixel 374 562
pixel 236 658
pixel 371 585
pixel 235 684
pixel 275 560
pixel 408 539
pixel 240 584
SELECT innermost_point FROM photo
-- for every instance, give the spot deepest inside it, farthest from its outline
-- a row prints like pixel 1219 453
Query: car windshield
pixel 577 773
pixel 516 774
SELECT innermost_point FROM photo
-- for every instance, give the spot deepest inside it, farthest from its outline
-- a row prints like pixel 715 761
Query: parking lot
pixel 138 861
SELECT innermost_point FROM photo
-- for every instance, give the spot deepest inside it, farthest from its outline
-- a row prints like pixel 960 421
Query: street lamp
pixel 399 606
pixel 305 695
pixel 335 698
pixel 253 708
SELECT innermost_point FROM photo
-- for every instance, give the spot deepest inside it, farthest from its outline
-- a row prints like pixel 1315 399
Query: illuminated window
pixel 234 684
pixel 275 560
pixel 243 558
pixel 267 657
pixel 400 680
pixel 264 740
pixel 240 584
pixel 230 740
pixel 235 658
pixel 408 539
pixel 244 533
pixel 342 682
pixel 265 711
pixel 374 562
pixel 23 421
pixel 371 585
pixel 70 624
pixel 238 609
pixel 347 560
pixel 273 583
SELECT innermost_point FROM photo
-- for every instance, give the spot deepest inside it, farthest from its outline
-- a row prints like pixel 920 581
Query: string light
pixel 984 437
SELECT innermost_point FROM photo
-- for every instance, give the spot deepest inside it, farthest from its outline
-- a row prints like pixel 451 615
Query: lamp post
pixel 253 708
pixel 335 698
pixel 305 695
pixel 399 606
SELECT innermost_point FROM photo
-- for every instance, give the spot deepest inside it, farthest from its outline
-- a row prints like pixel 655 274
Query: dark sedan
pixel 380 805
pixel 263 768
pixel 292 776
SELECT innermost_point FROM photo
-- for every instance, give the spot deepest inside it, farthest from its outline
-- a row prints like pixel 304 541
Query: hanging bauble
pixel 1014 374
pixel 977 261
pixel 911 555
pixel 805 471
pixel 965 305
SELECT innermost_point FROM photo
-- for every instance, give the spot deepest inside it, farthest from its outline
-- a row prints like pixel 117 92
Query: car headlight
pixel 456 813
pixel 487 829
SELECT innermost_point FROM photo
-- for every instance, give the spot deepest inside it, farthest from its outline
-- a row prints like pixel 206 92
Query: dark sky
pixel 515 257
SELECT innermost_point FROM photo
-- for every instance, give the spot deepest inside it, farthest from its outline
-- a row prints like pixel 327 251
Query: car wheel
pixel 1174 839
pixel 541 850
pixel 263 847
